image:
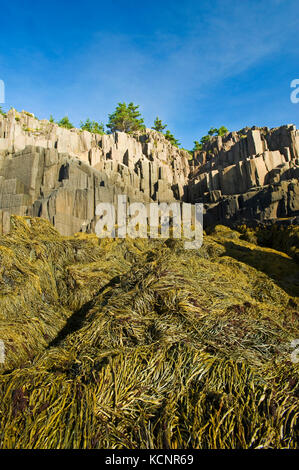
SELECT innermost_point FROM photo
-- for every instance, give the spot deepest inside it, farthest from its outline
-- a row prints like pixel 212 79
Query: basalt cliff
pixel 131 343
pixel 61 175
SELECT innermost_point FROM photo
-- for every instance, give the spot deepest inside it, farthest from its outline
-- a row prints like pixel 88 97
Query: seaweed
pixel 122 343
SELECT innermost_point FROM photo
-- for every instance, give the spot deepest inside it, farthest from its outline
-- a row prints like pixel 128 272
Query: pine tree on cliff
pixel 197 146
pixel 158 126
pixel 65 122
pixel 213 131
pixel 92 126
pixel 206 138
pixel 126 118
pixel 172 139
pixel 222 131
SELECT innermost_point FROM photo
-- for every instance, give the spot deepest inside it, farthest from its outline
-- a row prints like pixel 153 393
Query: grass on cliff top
pixel 143 344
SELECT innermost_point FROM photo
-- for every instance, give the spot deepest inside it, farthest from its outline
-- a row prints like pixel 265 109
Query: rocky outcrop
pixel 62 174
pixel 247 175
pixel 270 202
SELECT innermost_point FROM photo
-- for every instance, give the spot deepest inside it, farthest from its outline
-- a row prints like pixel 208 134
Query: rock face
pixel 250 175
pixel 62 174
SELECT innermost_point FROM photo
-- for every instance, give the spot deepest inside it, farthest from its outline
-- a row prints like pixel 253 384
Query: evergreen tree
pixel 171 138
pixel 126 118
pixel 158 126
pixel 205 139
pixel 222 131
pixel 92 126
pixel 65 122
pixel 213 131
pixel 197 146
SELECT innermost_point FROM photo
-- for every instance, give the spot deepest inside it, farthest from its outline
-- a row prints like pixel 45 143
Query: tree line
pixel 127 118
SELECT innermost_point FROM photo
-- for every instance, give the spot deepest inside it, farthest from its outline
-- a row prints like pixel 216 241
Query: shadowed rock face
pixel 62 174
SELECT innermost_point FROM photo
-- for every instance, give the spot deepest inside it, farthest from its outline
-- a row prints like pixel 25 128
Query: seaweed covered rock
pixel 142 344
pixel 278 236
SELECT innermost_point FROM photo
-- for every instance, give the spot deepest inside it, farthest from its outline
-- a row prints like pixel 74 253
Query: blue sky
pixel 195 64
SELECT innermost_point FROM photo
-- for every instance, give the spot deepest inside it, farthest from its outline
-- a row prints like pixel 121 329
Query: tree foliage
pixel 171 139
pixel 65 122
pixel 158 126
pixel 92 126
pixel 222 131
pixel 197 146
pixel 206 138
pixel 126 118
pixel 213 131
